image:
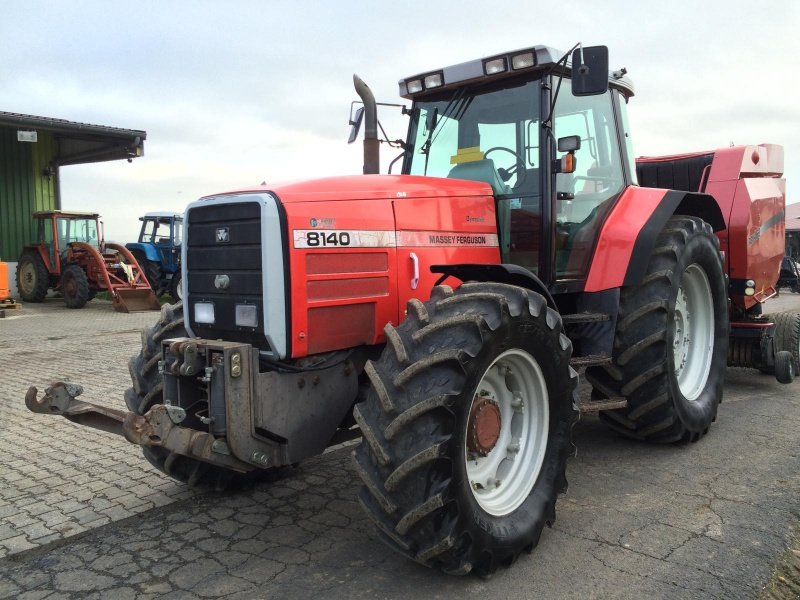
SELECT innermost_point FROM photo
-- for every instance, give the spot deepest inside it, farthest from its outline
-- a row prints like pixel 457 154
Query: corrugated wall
pixel 23 188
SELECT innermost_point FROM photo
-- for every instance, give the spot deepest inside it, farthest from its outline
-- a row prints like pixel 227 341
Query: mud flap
pixel 134 300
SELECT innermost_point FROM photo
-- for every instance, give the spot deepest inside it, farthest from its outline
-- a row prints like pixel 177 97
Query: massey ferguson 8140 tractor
pixel 315 312
pixel 71 256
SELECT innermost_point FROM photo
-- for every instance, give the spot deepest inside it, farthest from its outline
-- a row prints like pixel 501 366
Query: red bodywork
pixel 397 226
pixel 343 296
pixel 746 182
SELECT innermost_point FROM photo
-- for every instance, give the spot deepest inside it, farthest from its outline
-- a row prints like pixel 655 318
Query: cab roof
pixel 474 70
pixel 68 214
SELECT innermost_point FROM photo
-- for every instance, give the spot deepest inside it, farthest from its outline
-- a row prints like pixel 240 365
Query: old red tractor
pixel 70 256
pixel 318 311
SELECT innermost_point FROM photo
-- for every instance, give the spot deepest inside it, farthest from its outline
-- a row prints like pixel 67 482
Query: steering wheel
pixel 511 171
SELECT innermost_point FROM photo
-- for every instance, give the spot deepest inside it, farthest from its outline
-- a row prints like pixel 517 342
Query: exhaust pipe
pixel 372 151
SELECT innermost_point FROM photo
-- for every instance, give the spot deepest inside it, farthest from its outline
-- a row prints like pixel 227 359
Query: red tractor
pixel 319 311
pixel 71 257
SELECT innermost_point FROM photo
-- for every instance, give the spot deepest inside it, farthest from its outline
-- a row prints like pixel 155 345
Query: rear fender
pixel 41 250
pixel 628 236
pixel 149 251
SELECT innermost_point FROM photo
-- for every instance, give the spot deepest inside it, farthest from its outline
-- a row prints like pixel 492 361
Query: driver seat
pixel 480 170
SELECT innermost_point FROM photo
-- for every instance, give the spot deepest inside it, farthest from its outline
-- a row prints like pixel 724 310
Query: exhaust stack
pixel 372 152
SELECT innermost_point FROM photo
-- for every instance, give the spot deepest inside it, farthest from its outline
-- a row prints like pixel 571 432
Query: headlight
pixel 523 61
pixel 414 86
pixel 246 315
pixel 433 80
pixel 204 312
pixel 496 65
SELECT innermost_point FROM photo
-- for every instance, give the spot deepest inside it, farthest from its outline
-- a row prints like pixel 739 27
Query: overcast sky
pixel 235 93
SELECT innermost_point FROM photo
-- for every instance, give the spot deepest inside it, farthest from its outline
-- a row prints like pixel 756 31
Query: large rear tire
pixel 147 391
pixel 74 286
pixel 671 345
pixel 466 427
pixel 32 277
pixel 152 270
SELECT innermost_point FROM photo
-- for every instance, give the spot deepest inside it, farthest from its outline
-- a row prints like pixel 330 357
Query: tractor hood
pixel 369 187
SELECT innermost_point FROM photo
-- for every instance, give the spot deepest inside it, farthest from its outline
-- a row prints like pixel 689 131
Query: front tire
pixel 74 286
pixel 175 288
pixel 671 345
pixel 466 427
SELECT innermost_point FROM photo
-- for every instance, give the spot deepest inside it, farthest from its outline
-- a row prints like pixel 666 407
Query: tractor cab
pixel 55 230
pixel 548 135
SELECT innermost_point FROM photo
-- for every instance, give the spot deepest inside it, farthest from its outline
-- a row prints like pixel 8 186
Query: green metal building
pixel 32 150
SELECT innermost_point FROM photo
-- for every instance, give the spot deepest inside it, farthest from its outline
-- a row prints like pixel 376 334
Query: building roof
pixel 793 217
pixel 80 143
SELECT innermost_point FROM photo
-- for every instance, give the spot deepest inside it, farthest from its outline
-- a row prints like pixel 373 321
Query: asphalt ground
pixel 83 515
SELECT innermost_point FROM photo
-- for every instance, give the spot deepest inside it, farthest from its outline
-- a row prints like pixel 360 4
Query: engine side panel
pixel 441 231
pixel 342 260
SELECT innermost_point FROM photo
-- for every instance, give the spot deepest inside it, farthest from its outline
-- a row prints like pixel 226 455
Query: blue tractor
pixel 158 252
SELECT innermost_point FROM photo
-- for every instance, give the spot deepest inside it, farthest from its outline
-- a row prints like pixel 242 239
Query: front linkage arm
pixel 158 428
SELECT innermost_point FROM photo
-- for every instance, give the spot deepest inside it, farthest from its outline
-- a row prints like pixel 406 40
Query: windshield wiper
pixel 454 106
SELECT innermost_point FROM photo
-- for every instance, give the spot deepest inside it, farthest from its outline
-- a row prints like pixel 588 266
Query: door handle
pixel 415 278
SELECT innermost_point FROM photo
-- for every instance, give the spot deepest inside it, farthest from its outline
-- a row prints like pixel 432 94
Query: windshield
pixel 77 230
pixel 492 134
pixel 482 134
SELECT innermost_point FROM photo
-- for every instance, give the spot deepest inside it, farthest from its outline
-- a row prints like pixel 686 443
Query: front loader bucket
pixel 134 300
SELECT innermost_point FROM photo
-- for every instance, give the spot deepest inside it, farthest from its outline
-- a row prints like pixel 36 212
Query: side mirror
pixel 355 124
pixel 590 71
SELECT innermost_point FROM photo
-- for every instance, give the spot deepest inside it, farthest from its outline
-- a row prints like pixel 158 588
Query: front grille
pixel 224 266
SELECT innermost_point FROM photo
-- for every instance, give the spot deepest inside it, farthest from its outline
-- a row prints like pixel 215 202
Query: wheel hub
pixel 483 427
pixel 506 432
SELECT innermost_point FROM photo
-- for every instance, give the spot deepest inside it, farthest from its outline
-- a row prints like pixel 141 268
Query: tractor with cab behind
pixel 71 256
pixel 443 314
pixel 158 252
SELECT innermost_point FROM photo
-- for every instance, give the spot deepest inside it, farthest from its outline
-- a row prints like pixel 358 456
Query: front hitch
pixel 158 428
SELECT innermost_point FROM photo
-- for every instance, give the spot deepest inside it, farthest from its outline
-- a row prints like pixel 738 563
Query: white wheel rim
pixel 27 278
pixel 503 479
pixel 693 332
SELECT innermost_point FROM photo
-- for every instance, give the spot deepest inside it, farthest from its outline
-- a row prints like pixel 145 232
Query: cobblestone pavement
pixel 58 479
pixel 90 519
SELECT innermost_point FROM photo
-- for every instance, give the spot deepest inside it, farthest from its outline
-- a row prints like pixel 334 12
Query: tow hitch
pixel 158 428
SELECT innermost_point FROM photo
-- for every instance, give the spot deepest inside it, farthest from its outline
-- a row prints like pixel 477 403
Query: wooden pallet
pixel 9 304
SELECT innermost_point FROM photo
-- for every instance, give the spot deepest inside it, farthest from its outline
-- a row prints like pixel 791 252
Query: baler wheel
pixel 147 391
pixel 787 335
pixel 466 427
pixel 671 345
pixel 74 286
pixel 784 367
pixel 32 277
